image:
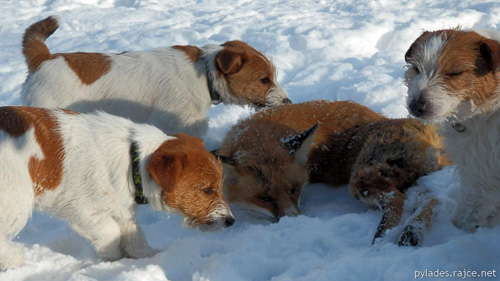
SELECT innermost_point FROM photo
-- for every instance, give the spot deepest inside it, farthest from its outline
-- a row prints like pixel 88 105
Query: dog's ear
pixel 413 46
pixel 230 60
pixel 490 51
pixel 300 144
pixel 165 168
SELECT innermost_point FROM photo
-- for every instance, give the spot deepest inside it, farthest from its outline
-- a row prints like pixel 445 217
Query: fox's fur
pixel 378 157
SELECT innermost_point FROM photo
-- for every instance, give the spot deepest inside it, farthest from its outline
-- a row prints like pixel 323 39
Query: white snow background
pixel 335 50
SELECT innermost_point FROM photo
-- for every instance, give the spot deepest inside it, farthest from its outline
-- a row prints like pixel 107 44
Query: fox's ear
pixel 224 159
pixel 300 144
pixel 228 166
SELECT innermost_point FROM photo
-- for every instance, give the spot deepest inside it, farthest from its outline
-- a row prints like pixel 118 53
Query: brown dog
pixel 271 156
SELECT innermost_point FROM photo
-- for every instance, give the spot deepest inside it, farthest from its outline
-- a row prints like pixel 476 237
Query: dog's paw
pixel 149 252
pixel 143 252
pixel 410 236
pixel 11 256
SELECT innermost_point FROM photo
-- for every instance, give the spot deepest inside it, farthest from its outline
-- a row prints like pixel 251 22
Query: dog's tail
pixel 34 49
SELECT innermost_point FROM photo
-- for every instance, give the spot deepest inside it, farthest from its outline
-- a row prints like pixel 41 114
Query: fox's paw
pixel 410 236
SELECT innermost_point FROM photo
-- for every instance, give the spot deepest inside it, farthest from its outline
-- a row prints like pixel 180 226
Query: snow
pixel 336 50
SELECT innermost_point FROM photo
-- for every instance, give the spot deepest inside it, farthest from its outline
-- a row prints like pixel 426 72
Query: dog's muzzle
pixel 419 106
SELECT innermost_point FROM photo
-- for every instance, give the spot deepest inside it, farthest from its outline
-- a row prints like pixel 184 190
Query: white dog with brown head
pixel 453 78
pixel 84 169
pixel 171 88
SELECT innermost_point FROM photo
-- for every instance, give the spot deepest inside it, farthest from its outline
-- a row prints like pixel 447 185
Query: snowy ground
pixel 336 50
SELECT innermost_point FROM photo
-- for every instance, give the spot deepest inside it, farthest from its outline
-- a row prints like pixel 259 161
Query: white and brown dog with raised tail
pixel 453 78
pixel 170 88
pixel 269 158
pixel 79 168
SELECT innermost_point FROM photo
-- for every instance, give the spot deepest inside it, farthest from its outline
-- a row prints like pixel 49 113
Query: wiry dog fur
pixel 378 157
pixel 453 79
pixel 78 168
pixel 168 87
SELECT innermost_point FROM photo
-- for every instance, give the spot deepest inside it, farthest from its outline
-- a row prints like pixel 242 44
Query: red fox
pixel 269 157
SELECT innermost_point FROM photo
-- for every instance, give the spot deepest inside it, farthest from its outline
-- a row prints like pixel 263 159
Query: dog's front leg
pixel 133 242
pixel 104 234
pixel 11 254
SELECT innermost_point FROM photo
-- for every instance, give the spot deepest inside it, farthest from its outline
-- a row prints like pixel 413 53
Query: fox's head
pixel 264 177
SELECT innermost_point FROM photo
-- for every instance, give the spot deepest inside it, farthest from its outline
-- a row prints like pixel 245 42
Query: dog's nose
pixel 287 101
pixel 229 221
pixel 418 107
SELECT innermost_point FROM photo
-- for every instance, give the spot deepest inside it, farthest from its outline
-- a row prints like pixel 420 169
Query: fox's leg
pixel 414 231
pixel 376 185
pixel 392 209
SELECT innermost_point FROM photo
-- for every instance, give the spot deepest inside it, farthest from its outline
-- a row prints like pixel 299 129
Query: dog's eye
pixel 416 69
pixel 457 73
pixel 265 80
pixel 208 190
pixel 266 199
pixel 293 190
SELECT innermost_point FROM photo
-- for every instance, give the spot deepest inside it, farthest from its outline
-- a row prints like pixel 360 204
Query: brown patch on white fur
pixel 45 173
pixel 467 67
pixel 248 72
pixel 380 158
pixel 87 66
pixel 189 176
pixel 192 52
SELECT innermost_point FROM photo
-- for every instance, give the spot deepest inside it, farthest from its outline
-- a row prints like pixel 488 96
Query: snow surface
pixel 336 50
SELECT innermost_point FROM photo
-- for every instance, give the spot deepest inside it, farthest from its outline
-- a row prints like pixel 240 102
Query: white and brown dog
pixel 453 78
pixel 80 168
pixel 171 88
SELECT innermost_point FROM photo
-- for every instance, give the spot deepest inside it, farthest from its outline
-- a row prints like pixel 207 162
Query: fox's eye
pixel 456 73
pixel 266 199
pixel 265 80
pixel 208 191
pixel 259 174
pixel 293 190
